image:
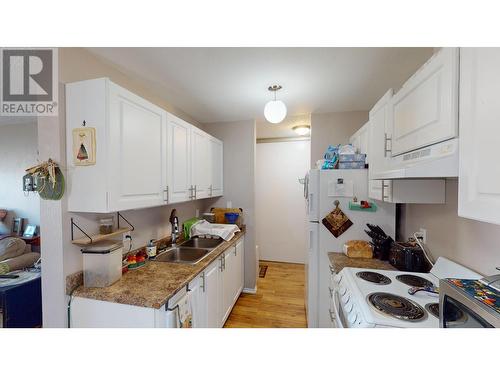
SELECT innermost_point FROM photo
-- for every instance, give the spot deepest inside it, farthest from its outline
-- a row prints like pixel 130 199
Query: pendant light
pixel 275 110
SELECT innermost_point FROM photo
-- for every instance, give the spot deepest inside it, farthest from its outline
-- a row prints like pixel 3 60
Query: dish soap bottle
pixel 151 249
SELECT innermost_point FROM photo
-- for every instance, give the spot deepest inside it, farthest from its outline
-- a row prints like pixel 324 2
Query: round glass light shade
pixel 275 111
pixel 302 129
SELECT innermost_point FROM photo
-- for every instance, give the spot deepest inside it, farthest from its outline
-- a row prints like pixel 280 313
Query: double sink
pixel 191 251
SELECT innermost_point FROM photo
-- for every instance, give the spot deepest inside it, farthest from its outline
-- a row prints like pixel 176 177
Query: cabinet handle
pixel 235 250
pixel 332 315
pixel 195 191
pixel 191 189
pixel 386 140
pixel 211 190
pixel 331 292
pixel 224 262
pixel 167 198
pixel 203 278
pixel 383 191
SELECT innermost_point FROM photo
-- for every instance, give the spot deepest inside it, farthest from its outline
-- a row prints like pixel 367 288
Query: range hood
pixel 436 161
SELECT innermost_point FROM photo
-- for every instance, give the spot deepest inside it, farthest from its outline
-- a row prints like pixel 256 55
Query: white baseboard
pixel 250 290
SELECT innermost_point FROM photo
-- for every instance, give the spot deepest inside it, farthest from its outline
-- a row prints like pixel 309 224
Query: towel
pixel 187 227
pixel 224 231
pixel 185 312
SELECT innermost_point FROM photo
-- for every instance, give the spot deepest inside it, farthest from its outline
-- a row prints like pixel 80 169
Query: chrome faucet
pixel 174 221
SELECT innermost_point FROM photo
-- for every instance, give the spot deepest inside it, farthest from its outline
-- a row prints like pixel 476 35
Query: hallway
pixel 279 302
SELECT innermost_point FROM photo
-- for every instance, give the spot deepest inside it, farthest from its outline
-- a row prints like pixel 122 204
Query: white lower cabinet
pixel 213 293
pixel 218 288
pixel 198 301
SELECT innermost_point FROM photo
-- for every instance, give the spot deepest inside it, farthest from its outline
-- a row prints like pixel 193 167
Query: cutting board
pixel 220 212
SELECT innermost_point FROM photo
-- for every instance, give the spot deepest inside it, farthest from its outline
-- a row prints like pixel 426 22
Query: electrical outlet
pixel 422 235
pixel 127 240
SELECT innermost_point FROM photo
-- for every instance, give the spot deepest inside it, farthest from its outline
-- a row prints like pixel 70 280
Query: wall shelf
pixel 94 238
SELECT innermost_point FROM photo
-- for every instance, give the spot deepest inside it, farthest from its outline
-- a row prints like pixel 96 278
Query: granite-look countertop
pixel 155 283
pixel 339 260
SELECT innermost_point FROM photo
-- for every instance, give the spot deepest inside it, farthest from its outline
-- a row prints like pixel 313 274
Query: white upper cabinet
pixel 360 139
pixel 217 168
pixel 479 179
pixel 201 163
pixel 379 133
pixel 178 160
pixel 144 156
pixel 425 110
pixel 378 139
pixel 137 134
pixel 129 170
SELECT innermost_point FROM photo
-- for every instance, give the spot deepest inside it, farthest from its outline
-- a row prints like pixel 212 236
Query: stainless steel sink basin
pixel 203 243
pixel 182 254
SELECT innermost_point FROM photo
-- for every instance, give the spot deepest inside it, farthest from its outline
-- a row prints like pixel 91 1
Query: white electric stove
pixel 369 298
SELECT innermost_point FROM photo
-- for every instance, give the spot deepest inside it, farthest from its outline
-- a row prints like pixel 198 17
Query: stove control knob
pixel 352 317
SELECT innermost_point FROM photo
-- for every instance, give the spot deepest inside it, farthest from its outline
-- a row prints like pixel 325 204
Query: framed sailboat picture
pixel 84 146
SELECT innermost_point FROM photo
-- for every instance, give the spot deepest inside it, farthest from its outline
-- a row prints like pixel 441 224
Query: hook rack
pixel 91 239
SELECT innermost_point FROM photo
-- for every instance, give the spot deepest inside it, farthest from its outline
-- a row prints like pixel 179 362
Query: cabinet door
pixel 425 110
pixel 228 283
pixel 178 156
pixel 479 180
pixel 198 301
pixel 212 295
pixel 201 163
pixel 217 182
pixel 240 264
pixel 137 165
pixel 378 133
pixel 380 190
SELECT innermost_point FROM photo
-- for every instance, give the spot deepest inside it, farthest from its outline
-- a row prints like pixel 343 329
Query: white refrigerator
pixel 322 188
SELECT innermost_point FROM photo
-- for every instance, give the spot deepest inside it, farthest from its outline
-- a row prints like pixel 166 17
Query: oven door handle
pixel 336 309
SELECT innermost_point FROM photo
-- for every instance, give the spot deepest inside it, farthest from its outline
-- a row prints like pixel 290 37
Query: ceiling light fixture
pixel 275 110
pixel 302 129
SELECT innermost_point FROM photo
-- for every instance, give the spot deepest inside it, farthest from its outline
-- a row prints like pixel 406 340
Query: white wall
pixel 471 243
pixel 280 214
pixel 332 129
pixel 239 182
pixel 18 151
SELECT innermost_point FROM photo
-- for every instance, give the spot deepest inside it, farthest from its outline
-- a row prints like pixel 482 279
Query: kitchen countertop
pixel 339 260
pixel 155 283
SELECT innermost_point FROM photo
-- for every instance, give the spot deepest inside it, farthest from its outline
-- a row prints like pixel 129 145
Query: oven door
pixel 459 310
pixel 457 315
pixel 338 312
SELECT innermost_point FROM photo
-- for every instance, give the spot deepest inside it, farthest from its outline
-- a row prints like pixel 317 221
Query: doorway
pixel 280 207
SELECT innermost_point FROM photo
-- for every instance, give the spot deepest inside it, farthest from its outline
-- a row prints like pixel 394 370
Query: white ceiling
pixel 229 84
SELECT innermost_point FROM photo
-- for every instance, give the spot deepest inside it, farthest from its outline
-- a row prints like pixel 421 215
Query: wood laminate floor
pixel 279 302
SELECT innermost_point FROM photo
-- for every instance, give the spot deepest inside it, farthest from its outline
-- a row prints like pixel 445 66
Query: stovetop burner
pixel 433 308
pixel 396 306
pixel 374 277
pixel 414 280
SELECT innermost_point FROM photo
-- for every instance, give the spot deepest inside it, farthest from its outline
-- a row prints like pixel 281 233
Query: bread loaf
pixel 358 249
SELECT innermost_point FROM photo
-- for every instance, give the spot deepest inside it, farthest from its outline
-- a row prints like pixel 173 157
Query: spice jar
pixel 106 225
